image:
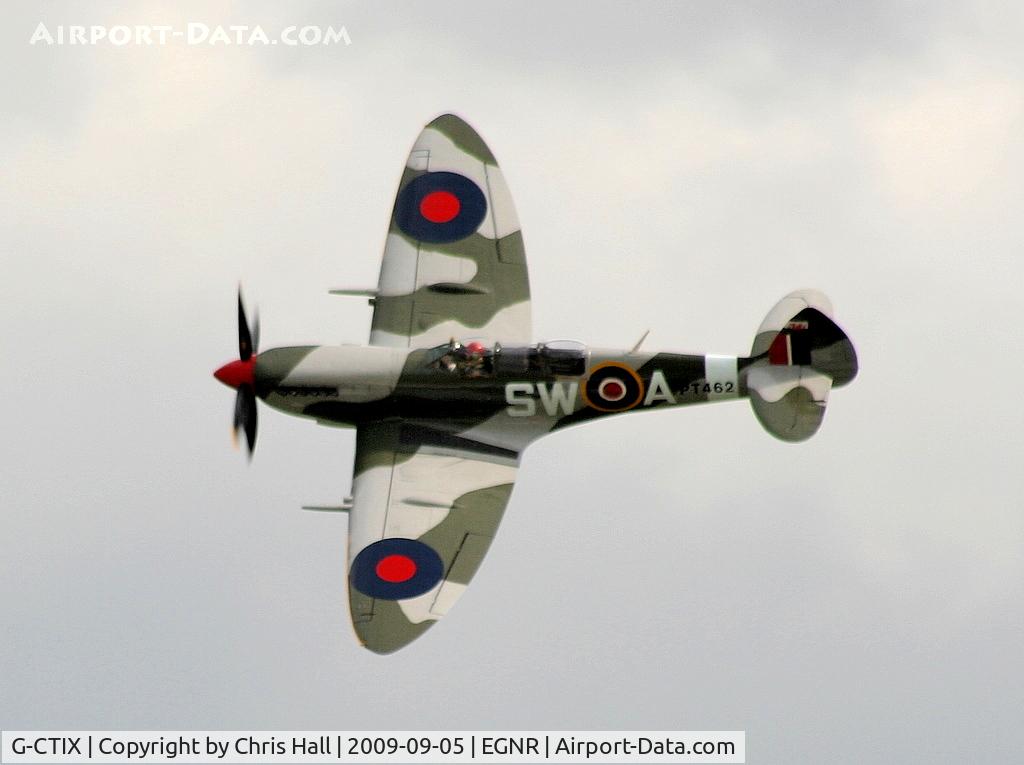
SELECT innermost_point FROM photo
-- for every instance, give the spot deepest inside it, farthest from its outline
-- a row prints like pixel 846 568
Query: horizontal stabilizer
pixel 799 355
pixel 787 403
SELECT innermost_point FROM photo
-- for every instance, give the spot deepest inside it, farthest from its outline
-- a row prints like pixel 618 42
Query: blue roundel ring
pixel 471 208
pixel 418 565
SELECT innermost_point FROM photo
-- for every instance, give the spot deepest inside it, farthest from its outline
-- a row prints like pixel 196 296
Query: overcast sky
pixel 676 167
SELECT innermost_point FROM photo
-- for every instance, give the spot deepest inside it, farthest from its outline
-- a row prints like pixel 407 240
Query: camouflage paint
pixel 438 442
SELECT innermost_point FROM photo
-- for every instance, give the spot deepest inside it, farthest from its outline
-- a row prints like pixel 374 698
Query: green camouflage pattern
pixel 452 388
pixel 476 286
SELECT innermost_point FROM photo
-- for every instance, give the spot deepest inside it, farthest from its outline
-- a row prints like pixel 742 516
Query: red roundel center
pixel 396 568
pixel 612 390
pixel 440 206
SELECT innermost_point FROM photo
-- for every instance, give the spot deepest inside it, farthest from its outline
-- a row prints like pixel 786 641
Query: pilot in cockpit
pixel 469 359
pixel 473 358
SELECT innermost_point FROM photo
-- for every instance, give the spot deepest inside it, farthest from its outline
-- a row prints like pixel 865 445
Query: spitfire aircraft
pixel 452 388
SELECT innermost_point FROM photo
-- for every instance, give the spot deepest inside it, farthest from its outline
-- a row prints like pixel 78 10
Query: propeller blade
pixel 247 405
pixel 239 411
pixel 244 336
pixel 241 376
pixel 256 331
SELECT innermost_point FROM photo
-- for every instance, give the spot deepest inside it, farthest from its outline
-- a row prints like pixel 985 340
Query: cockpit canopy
pixel 473 358
pixel 561 357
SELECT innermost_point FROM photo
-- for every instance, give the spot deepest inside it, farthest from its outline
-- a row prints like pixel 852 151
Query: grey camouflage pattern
pixel 406 312
pixel 441 423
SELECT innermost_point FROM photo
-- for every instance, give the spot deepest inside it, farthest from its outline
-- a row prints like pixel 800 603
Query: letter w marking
pixel 557 397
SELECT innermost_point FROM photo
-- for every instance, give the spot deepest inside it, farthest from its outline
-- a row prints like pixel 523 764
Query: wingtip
pixel 463 135
pixel 386 629
pixel 447 117
pixel 381 650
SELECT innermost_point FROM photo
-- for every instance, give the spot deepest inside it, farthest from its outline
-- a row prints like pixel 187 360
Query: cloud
pixel 682 167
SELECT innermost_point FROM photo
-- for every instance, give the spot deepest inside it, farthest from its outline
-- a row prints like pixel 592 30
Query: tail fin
pixel 799 354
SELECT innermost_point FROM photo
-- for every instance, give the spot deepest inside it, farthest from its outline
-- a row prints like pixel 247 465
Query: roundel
pixel 395 569
pixel 613 387
pixel 440 207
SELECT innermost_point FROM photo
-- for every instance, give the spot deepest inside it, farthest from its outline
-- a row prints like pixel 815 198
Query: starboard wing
pixel 454 264
pixel 426 506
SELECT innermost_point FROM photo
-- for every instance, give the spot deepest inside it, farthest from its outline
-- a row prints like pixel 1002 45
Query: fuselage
pixel 550 385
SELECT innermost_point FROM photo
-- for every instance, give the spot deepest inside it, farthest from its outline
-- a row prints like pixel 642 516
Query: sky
pixel 677 167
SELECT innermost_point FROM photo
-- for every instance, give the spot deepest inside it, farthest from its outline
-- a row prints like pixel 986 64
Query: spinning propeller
pixel 241 375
